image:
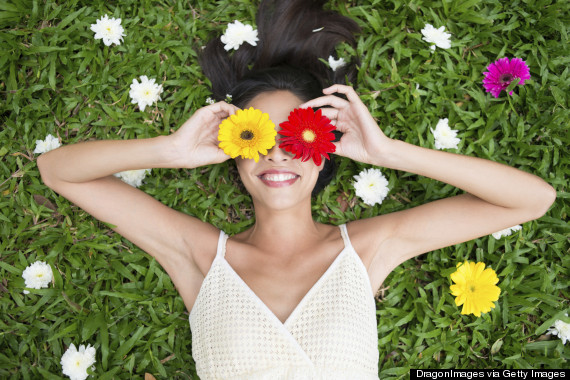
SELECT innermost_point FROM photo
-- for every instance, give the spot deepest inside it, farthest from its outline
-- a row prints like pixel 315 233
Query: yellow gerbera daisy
pixel 247 133
pixel 475 288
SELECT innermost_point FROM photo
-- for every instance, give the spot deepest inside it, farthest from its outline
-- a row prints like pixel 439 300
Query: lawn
pixel 55 78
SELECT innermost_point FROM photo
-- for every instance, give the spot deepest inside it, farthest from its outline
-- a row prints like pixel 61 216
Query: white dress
pixel 331 334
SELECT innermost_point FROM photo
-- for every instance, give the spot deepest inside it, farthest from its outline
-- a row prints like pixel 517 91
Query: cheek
pixel 245 168
pixel 311 171
pixel 243 165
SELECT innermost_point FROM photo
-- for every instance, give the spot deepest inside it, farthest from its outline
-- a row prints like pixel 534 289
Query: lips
pixel 278 178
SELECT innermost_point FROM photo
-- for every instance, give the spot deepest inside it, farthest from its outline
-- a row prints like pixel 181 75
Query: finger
pixel 220 116
pixel 341 127
pixel 223 108
pixel 351 95
pixel 330 100
pixel 331 113
pixel 338 148
pixel 221 156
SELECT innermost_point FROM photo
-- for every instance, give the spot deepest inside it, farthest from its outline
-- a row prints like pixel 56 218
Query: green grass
pixel 55 78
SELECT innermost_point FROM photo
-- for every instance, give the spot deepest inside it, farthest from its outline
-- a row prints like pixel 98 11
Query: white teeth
pixel 278 177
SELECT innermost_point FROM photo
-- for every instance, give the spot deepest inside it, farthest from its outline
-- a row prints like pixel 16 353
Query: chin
pixel 281 198
pixel 281 203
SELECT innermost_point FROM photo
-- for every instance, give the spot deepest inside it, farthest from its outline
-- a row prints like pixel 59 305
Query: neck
pixel 283 231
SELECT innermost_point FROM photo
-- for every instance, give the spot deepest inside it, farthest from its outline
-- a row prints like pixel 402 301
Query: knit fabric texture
pixel 331 334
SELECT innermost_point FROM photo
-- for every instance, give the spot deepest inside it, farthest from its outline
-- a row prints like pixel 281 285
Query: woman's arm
pixel 194 144
pixel 83 172
pixel 497 196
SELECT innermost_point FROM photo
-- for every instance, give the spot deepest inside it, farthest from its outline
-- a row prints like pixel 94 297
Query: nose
pixel 277 154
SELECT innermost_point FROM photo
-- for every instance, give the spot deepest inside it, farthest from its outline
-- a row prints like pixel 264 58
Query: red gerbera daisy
pixel 307 134
pixel 502 72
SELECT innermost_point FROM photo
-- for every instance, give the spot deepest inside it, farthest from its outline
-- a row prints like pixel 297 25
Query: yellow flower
pixel 475 288
pixel 246 134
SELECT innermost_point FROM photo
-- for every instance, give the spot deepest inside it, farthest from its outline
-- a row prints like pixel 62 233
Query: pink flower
pixel 502 72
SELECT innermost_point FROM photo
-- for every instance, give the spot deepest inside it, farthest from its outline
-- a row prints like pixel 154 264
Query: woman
pixel 287 298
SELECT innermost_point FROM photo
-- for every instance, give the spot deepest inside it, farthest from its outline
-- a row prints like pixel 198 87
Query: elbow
pixel 43 167
pixel 544 200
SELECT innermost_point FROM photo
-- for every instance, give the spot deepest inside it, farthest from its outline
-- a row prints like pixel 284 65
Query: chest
pixel 235 332
pixel 281 286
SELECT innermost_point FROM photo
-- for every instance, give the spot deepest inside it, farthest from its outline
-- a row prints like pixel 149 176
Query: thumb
pixel 338 148
pixel 219 157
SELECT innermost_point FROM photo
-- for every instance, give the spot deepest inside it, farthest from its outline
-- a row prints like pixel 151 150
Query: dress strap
pixel 344 234
pixel 222 244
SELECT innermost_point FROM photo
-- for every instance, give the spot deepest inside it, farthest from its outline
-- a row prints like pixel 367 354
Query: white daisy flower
pixel 562 329
pixel 371 186
pixel 210 100
pixel 336 63
pixel 238 33
pixel 50 143
pixel 37 275
pixel 145 93
pixel 445 137
pixel 133 177
pixel 74 363
pixel 108 29
pixel 506 232
pixel 436 36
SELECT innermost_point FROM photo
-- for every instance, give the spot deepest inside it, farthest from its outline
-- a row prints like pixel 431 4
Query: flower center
pixel 506 78
pixel 308 135
pixel 472 288
pixel 39 275
pixel 246 135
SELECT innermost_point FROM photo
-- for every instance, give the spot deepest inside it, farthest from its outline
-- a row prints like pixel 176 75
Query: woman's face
pixel 277 180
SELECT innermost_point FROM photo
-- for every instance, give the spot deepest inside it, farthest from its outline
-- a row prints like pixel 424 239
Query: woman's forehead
pixel 277 104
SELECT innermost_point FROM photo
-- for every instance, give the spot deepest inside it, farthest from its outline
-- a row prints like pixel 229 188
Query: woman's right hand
pixel 195 143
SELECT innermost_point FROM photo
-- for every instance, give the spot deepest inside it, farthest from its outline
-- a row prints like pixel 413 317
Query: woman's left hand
pixel 363 140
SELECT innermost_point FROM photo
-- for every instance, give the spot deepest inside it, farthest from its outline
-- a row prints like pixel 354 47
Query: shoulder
pixel 371 240
pixel 369 235
pixel 190 261
pixel 189 269
pixel 201 245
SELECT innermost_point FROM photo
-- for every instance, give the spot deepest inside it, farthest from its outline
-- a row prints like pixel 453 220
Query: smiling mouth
pixel 278 177
pixel 277 180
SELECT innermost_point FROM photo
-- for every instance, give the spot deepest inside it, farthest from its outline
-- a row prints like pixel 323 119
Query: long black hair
pixel 294 36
